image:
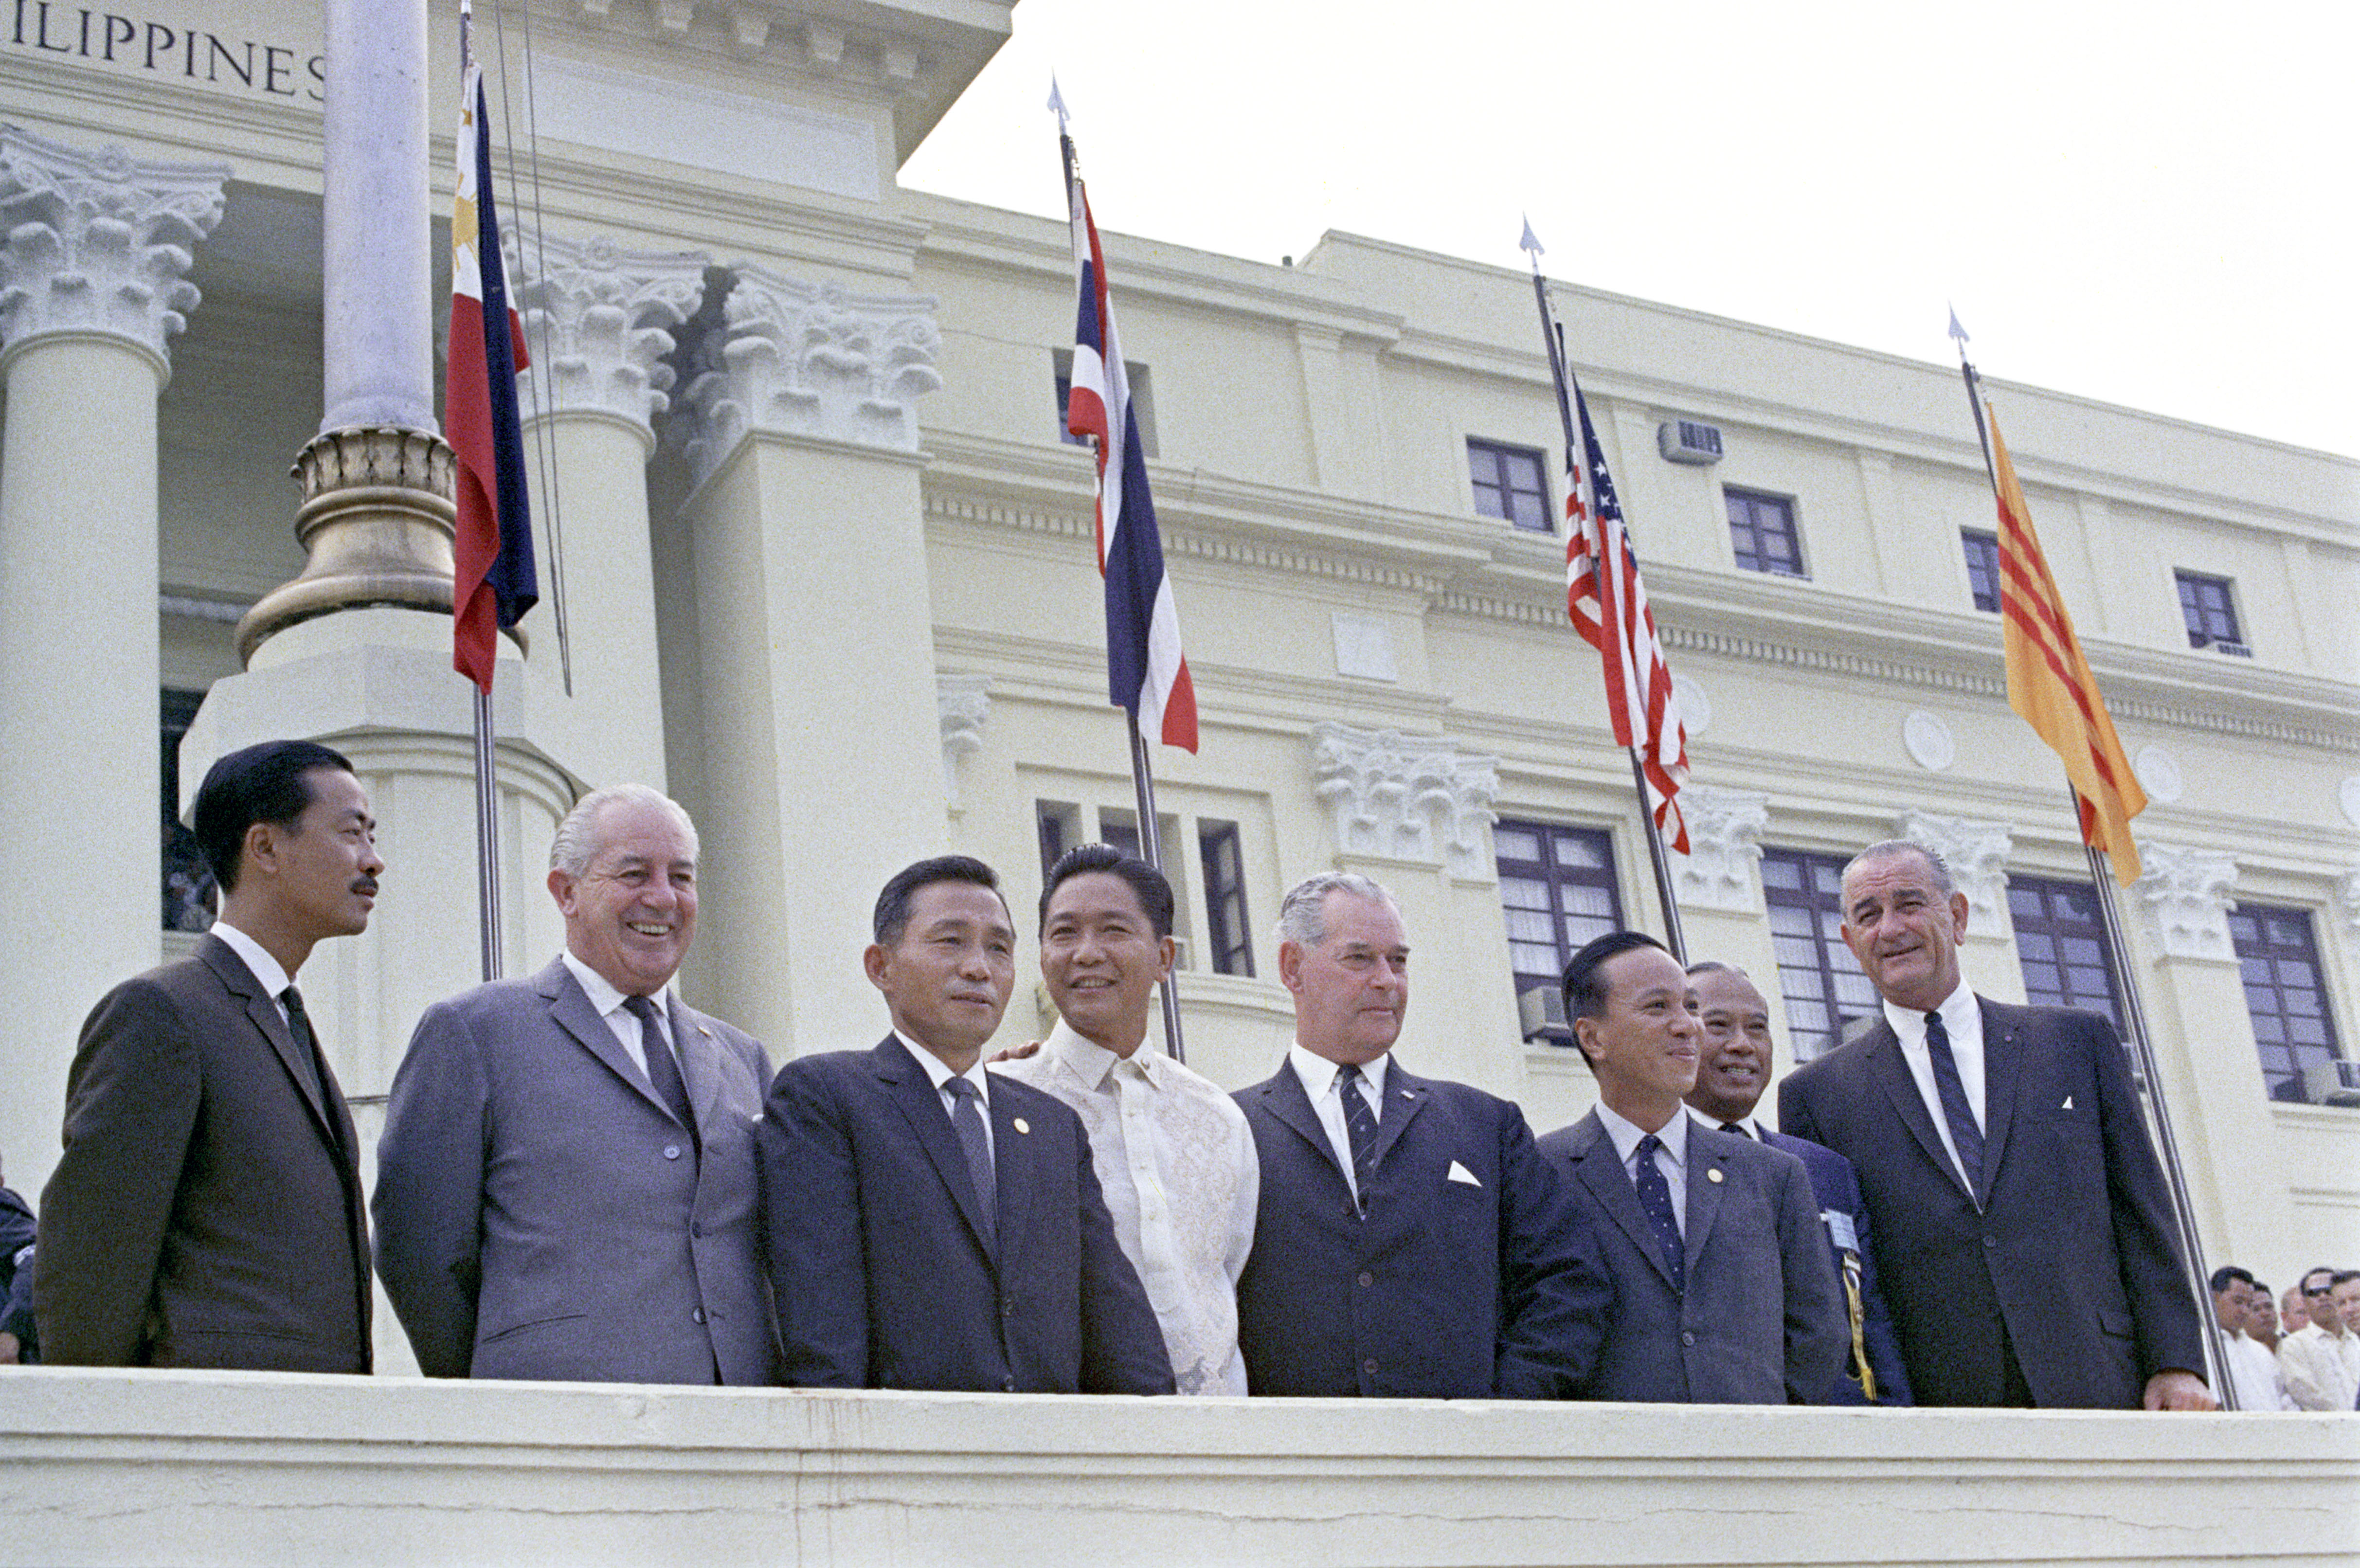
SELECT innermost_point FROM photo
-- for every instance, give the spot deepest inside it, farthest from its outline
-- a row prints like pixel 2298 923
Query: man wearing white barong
pixel 1172 1150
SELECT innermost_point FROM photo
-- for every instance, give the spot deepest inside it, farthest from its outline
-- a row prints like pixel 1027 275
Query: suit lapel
pixel 570 1007
pixel 1404 1097
pixel 1596 1166
pixel 262 1011
pixel 700 1063
pixel 1014 1166
pixel 1284 1098
pixel 2003 1075
pixel 921 1105
pixel 1704 1192
pixel 1891 1071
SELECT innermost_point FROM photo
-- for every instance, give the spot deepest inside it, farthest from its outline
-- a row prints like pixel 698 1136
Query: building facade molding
pixel 600 320
pixel 963 704
pixel 99 243
pixel 2347 900
pixel 1975 852
pixel 811 359
pixel 1720 869
pixel 1406 797
pixel 2188 893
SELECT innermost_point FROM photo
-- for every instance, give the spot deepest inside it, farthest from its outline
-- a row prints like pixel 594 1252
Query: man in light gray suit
pixel 566 1185
pixel 1725 1291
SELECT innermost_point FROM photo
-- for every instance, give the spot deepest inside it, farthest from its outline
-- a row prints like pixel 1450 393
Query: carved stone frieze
pixel 797 358
pixel 1976 853
pixel 2188 894
pixel 99 241
pixel 1408 797
pixel 1718 871
pixel 599 321
pixel 964 704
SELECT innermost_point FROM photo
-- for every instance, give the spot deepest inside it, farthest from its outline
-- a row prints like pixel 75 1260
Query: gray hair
pixel 1303 913
pixel 1886 850
pixel 577 842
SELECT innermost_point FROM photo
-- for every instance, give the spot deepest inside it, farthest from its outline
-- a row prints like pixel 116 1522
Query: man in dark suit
pixel 566 1187
pixel 1409 1243
pixel 932 1226
pixel 1732 1070
pixel 207 1211
pixel 1724 1292
pixel 2028 1249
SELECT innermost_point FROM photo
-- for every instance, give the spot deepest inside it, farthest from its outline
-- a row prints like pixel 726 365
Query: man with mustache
pixel 207 1210
pixel 2024 1225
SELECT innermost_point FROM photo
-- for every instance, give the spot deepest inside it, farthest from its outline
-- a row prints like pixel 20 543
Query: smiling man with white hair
pixel 566 1186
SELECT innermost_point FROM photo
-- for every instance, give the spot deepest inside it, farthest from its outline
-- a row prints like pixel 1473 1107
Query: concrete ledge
pixel 99 1467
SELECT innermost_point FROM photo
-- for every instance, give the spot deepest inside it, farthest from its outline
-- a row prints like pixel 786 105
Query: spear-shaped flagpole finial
pixel 1531 243
pixel 1056 101
pixel 1957 330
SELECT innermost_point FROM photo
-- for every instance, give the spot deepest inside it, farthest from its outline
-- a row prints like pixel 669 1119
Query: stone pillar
pixel 823 751
pixel 92 285
pixel 377 274
pixel 1415 812
pixel 1977 854
pixel 2203 1038
pixel 599 321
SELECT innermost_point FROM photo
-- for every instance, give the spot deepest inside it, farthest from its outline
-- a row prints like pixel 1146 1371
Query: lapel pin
pixel 1713 1174
pixel 1022 1125
pixel 703 1031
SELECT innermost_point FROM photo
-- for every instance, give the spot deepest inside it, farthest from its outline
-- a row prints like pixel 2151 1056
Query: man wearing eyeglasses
pixel 2321 1361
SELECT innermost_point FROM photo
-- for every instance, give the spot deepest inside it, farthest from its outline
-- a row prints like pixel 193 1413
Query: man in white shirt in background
pixel 2253 1370
pixel 1173 1154
pixel 2321 1360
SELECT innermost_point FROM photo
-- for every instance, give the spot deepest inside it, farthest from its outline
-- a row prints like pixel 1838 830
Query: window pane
pixel 2278 960
pixel 1557 891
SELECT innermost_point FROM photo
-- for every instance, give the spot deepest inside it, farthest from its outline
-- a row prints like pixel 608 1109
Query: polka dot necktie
pixel 1655 1202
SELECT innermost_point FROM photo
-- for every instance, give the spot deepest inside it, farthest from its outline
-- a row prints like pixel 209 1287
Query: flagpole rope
pixel 544 461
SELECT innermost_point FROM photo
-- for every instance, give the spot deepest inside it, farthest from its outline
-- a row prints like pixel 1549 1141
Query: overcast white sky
pixel 2148 204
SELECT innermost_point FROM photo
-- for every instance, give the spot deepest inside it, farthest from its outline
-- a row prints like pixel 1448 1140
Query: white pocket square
pixel 1461 1173
pixel 2068 1105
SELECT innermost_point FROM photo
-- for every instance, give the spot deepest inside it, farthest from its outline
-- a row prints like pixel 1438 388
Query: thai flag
pixel 1146 671
pixel 1609 606
pixel 495 581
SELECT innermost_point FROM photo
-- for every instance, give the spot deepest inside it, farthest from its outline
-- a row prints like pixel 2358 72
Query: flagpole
pixel 487 835
pixel 1151 848
pixel 1658 858
pixel 2102 881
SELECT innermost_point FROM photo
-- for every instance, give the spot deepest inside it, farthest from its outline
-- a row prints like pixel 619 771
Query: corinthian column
pixel 92 286
pixel 599 320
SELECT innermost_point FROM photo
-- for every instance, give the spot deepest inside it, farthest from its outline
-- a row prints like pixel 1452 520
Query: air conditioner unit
pixel 1689 441
pixel 1543 1010
pixel 2333 1083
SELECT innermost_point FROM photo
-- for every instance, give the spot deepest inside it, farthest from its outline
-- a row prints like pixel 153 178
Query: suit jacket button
pixel 1008 1385
pixel 1367 1281
pixel 1990 1241
pixel 697 1230
pixel 1369 1366
pixel 1688 1336
pixel 697 1316
pixel 1007 1309
pixel 672 1151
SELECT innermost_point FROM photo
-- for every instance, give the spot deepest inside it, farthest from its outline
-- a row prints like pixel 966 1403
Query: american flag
pixel 493 533
pixel 1146 671
pixel 1609 606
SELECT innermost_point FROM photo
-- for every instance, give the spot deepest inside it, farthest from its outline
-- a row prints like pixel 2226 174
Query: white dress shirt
pixel 1962 1020
pixel 256 956
pixel 1318 1075
pixel 612 1006
pixel 1751 1125
pixel 2253 1373
pixel 1671 1155
pixel 940 1071
pixel 2322 1370
pixel 1176 1161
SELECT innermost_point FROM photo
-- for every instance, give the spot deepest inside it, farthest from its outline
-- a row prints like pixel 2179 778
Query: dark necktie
pixel 1655 1202
pixel 967 1120
pixel 1359 1127
pixel 663 1072
pixel 1966 1132
pixel 1737 1127
pixel 307 1044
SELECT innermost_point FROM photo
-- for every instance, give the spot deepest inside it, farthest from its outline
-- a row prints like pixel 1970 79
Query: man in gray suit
pixel 566 1186
pixel 1725 1291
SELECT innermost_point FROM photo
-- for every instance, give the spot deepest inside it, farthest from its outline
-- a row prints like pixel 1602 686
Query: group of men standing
pixel 582 1178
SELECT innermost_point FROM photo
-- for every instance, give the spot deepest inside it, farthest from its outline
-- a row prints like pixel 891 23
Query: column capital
pixel 1718 872
pixel 2187 893
pixel 600 320
pixel 963 704
pixel 1409 797
pixel 816 360
pixel 99 243
pixel 2347 899
pixel 1976 853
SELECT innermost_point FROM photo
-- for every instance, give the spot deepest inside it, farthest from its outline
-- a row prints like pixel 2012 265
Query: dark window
pixel 188 885
pixel 1121 828
pixel 1508 484
pixel 2212 619
pixel 1762 531
pixel 2060 944
pixel 1982 566
pixel 1228 933
pixel 1059 826
pixel 1556 886
pixel 1820 980
pixel 2278 956
pixel 1142 398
